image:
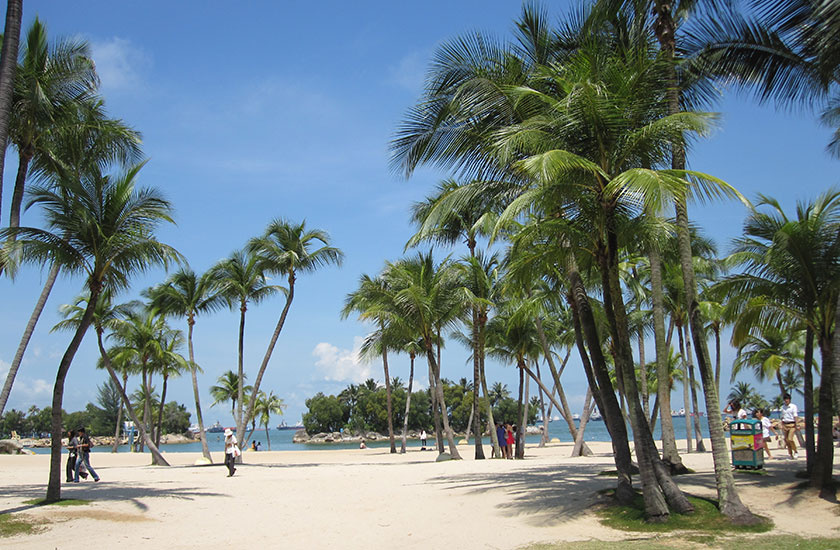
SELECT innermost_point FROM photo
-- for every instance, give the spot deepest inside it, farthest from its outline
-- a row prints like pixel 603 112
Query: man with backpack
pixel 83 444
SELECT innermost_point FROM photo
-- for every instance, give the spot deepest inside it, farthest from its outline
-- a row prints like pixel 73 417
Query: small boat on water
pixel 284 426
pixel 216 428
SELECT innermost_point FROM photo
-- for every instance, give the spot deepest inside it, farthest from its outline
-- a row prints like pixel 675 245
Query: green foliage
pixel 15 525
pixel 176 418
pixel 326 414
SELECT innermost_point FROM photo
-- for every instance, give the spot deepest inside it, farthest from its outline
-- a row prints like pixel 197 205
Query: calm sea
pixel 281 440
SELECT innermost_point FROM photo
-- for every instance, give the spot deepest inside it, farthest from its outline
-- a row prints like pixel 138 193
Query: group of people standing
pixel 789 419
pixel 78 461
pixel 506 434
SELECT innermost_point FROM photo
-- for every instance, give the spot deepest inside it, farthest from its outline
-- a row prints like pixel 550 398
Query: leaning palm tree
pixel 241 282
pixel 288 249
pixel 186 294
pixel 101 227
pixel 8 67
pixel 266 406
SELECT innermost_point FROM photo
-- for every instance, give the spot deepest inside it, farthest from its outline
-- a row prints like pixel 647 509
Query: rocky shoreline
pixel 301 436
pixel 19 446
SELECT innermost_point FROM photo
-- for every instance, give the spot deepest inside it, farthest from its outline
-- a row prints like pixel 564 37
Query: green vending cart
pixel 747 444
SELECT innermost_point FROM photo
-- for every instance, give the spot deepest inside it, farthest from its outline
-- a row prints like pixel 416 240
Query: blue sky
pixel 286 109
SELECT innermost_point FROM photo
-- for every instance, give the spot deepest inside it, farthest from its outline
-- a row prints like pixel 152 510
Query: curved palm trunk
pixel 116 445
pixel 580 448
pixel 698 432
pixel 54 484
pixel 202 435
pixel 388 401
pixel 8 66
pixel 670 455
pixel 407 403
pixel 450 439
pixel 686 391
pixel 598 377
pixel 27 334
pixel 564 409
pixel 157 457
pixel 160 411
pixel 252 402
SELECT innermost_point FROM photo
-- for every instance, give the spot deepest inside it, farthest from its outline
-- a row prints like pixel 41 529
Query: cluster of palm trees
pixel 99 223
pixel 570 143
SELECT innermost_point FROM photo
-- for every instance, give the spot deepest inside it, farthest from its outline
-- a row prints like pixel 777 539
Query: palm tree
pixel 90 142
pixel 185 294
pixel 8 67
pixel 102 227
pixel 48 81
pixel 288 249
pixel 171 364
pixel 242 281
pixel 425 297
pixel 768 352
pixel 266 406
pixel 791 275
pixel 227 389
pixel 373 300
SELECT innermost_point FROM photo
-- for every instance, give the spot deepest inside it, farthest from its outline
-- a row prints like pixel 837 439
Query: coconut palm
pixel 91 141
pixel 241 282
pixel 8 68
pixel 791 275
pixel 227 389
pixel 287 249
pixel 49 80
pixel 171 364
pixel 268 404
pixel 186 294
pixel 101 227
pixel 768 352
pixel 373 300
pixel 424 296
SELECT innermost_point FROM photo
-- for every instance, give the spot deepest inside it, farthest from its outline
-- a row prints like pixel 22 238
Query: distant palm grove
pixel 566 147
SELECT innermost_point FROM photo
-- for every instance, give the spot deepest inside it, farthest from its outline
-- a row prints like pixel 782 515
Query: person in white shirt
pixel 790 415
pixel 231 451
pixel 766 430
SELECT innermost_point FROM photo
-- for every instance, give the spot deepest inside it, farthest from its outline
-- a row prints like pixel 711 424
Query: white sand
pixel 363 499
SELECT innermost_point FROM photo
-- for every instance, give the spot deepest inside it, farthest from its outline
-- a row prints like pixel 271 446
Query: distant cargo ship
pixel 284 426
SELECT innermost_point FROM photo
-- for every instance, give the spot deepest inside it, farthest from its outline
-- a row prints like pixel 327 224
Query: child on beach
pixel 766 428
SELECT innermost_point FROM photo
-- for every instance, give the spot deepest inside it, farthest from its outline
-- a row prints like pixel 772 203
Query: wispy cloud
pixel 120 64
pixel 410 71
pixel 341 365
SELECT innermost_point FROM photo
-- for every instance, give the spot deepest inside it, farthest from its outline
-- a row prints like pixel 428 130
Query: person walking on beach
pixel 766 429
pixel 231 451
pixel 70 469
pixel 82 444
pixel 734 408
pixel 423 440
pixel 790 415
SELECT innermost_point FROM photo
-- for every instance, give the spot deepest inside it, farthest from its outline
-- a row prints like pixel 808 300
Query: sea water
pixel 281 440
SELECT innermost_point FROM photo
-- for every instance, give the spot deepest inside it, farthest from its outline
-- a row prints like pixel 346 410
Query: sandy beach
pixel 365 498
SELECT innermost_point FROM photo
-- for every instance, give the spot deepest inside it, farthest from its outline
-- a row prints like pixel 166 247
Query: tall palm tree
pixel 288 249
pixel 171 364
pixel 768 352
pixel 101 227
pixel 90 141
pixel 791 272
pixel 227 389
pixel 373 300
pixel 268 404
pixel 242 281
pixel 8 67
pixel 49 80
pixel 425 297
pixel 186 294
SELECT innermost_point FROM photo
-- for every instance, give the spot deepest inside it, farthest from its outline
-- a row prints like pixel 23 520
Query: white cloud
pixel 341 365
pixel 32 389
pixel 4 370
pixel 120 64
pixel 410 71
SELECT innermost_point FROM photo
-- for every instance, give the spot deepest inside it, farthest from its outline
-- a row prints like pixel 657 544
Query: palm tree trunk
pixel 519 448
pixel 157 457
pixel 717 357
pixel 580 448
pixel 643 374
pixel 686 391
pixel 835 359
pixel 388 400
pixel 24 158
pixel 670 455
pixel 565 411
pixel 27 333
pixel 240 387
pixel 54 484
pixel 478 350
pixel 435 410
pixel 252 402
pixel 202 435
pixel 146 406
pixel 115 447
pixel 407 403
pixel 544 436
pixel 494 438
pixel 698 432
pixel 823 466
pixel 8 66
pixel 160 412
pixel 267 437
pixel 808 394
pixel 450 439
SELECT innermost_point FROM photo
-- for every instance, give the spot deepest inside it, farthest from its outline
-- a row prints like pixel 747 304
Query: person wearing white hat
pixel 231 451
